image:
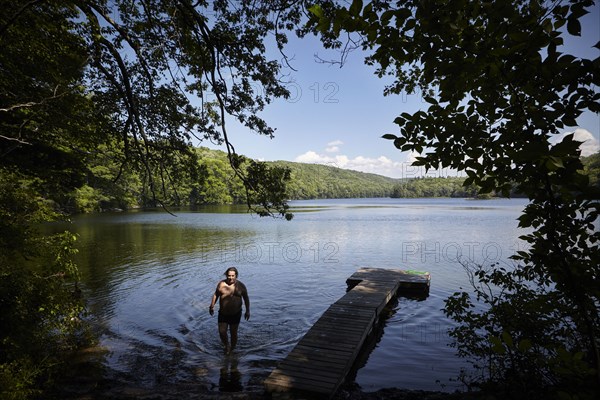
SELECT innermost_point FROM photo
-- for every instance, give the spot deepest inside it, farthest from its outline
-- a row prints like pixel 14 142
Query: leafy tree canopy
pixel 154 75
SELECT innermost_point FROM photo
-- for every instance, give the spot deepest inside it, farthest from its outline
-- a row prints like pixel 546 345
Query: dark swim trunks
pixel 230 319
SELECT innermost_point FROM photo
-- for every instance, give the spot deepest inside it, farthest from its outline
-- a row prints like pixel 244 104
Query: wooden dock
pixel 319 363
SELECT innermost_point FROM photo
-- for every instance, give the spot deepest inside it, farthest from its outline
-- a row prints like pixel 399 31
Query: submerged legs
pixel 233 331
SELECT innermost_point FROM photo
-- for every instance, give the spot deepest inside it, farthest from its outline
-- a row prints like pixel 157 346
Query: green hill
pixel 308 181
pixel 217 184
pixel 315 181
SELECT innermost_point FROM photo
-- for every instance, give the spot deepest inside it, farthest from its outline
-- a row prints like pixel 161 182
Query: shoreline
pixel 95 388
pixel 89 380
pixel 192 392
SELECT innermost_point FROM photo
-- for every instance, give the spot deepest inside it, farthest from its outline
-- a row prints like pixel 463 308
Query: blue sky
pixel 336 116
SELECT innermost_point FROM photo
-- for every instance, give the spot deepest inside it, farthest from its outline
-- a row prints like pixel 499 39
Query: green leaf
pixel 521 255
pixel 525 220
pixel 387 16
pixel 554 163
pixel 578 11
pixel 497 346
pixel 368 13
pixel 389 136
pixel 400 121
pixel 524 345
pixel 507 339
pixel 420 161
pixel 316 10
pixel 430 100
pixel 356 8
pixel 399 143
pixel 574 27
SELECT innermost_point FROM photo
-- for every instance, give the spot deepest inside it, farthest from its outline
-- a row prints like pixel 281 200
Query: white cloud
pixel 412 156
pixel 309 157
pixel 380 165
pixel 590 145
pixel 334 147
pixel 397 169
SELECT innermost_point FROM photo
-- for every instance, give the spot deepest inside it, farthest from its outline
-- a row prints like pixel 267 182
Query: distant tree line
pixel 433 187
pixel 109 187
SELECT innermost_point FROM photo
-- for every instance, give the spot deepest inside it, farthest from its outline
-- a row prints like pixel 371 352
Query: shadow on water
pixel 375 335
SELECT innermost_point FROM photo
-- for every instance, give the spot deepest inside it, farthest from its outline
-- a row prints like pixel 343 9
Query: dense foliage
pixel 434 187
pixel 43 112
pixel 499 85
pixel 40 305
pixel 313 181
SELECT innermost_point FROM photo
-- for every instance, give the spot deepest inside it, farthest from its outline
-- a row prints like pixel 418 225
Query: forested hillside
pixel 216 183
pixel 315 181
pixel 591 166
pixel 433 187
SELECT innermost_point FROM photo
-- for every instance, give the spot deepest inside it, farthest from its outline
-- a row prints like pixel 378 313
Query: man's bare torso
pixel 230 297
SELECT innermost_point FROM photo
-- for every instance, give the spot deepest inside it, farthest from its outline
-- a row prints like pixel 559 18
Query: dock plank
pixel 320 361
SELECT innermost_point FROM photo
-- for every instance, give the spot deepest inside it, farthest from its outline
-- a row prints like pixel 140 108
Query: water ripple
pixel 150 278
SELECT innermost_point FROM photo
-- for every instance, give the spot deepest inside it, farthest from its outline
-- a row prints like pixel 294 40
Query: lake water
pixel 149 278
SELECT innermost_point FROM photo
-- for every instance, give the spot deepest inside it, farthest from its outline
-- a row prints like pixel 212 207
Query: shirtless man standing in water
pixel 230 293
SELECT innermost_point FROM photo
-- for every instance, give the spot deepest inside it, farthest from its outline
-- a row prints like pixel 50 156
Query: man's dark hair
pixel 234 269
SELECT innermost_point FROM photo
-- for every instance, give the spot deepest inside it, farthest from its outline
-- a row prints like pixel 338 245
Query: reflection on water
pixel 149 277
pixel 230 379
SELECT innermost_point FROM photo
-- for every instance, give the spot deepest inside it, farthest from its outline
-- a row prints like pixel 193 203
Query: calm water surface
pixel 149 277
